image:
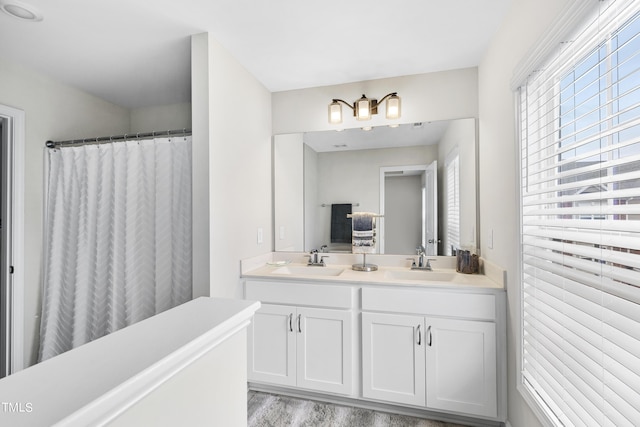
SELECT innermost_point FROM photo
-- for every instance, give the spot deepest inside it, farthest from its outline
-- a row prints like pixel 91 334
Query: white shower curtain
pixel 117 238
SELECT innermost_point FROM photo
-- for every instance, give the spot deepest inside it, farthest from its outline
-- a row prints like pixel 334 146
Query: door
pixel 461 366
pixel 393 358
pixel 271 345
pixel 5 289
pixel 403 217
pixel 324 346
pixel 12 240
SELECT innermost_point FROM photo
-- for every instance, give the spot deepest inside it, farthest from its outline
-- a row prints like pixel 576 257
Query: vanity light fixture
pixel 364 108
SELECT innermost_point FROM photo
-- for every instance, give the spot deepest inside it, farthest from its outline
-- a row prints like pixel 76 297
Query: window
pixel 580 224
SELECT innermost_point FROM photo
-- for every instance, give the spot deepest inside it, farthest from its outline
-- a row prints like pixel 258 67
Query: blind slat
pixel 622 226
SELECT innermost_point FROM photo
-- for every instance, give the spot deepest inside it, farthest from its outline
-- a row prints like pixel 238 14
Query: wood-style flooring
pixel 270 410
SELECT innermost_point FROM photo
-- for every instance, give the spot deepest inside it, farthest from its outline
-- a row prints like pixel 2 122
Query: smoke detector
pixel 20 10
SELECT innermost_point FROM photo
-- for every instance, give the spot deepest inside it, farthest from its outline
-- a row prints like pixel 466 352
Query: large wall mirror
pixel 420 177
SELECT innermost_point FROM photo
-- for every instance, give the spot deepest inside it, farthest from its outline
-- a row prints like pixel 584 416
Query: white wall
pixel 238 124
pixel 425 97
pixel 288 197
pixel 161 117
pixel 212 391
pixel 201 128
pixel 312 237
pixel 525 23
pixel 53 111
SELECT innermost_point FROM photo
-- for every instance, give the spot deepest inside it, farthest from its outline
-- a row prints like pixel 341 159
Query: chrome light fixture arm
pixel 336 101
pixel 387 96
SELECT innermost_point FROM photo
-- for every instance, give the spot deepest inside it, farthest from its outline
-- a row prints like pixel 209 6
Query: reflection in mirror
pixel 409 209
pixel 315 170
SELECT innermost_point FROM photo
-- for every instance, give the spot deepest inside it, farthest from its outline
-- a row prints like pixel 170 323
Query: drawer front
pixel 300 294
pixel 431 303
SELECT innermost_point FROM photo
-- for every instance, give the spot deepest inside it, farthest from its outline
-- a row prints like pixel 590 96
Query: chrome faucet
pixel 422 265
pixel 315 260
pixel 421 253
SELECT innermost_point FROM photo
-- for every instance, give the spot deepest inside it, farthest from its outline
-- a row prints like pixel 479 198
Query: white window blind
pixel 452 168
pixel 580 205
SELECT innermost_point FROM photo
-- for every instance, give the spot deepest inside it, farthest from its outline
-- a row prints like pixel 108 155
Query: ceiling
pixel 136 53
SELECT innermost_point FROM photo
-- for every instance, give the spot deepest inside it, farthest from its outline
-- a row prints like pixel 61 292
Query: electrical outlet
pixel 490 239
pixel 260 239
pixel 282 232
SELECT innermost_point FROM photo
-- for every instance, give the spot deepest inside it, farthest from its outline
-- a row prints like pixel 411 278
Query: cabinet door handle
pixel 419 336
pixel 430 337
pixel 290 322
pixel 299 326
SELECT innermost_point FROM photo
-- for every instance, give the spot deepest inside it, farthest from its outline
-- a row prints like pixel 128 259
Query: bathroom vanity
pixel 415 340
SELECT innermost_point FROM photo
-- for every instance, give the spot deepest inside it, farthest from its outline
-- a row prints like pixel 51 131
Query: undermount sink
pixel 421 275
pixel 308 271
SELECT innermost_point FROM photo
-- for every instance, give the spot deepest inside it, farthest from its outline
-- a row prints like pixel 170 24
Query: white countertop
pixel 385 275
pixel 109 372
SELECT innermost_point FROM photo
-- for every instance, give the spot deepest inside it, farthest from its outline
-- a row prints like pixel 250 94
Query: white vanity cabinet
pixel 372 339
pixel 272 345
pixel 430 348
pixel 304 339
pixel 393 358
pixel 461 366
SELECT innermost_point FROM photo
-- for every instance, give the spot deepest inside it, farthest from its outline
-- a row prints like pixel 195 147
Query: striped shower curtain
pixel 117 238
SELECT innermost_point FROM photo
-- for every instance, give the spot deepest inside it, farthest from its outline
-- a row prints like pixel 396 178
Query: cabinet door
pixel 324 344
pixel 393 358
pixel 461 366
pixel 272 350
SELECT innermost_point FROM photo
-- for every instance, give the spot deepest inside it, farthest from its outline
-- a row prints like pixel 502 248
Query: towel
pixel 363 233
pixel 340 224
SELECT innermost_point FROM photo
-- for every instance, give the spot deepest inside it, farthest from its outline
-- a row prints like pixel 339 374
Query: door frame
pixel 429 177
pixel 12 241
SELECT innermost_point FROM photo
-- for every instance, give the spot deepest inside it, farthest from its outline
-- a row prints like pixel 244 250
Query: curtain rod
pixel 104 139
